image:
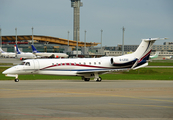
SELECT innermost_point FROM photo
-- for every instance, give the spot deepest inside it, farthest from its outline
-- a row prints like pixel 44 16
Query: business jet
pixel 7 54
pixel 50 55
pixel 85 67
pixel 155 55
pixel 22 55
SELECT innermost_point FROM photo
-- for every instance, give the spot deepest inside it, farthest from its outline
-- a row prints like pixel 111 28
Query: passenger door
pixel 36 65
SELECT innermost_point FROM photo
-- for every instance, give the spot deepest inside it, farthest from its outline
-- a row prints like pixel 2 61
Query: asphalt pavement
pixel 79 100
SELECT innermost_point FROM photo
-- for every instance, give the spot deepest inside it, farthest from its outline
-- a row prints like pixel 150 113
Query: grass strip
pixel 139 74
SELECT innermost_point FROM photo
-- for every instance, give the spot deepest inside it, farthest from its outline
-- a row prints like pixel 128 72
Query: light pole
pixel 32 36
pixel 85 39
pixel 16 35
pixel 101 40
pixel 123 41
pixel 68 38
pixel 0 39
pixel 77 44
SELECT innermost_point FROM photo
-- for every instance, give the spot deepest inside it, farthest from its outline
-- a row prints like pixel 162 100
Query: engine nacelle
pixel 22 58
pixel 122 60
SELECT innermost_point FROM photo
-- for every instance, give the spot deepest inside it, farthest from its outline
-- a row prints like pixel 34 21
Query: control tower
pixel 76 4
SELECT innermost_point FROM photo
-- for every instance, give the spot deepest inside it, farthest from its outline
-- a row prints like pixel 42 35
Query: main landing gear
pixel 99 79
pixel 88 79
pixel 95 75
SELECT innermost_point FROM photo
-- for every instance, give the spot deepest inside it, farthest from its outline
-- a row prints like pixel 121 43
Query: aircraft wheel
pixel 16 80
pixel 86 79
pixel 99 79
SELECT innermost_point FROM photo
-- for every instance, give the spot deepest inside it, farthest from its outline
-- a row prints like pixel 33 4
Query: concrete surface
pixel 79 100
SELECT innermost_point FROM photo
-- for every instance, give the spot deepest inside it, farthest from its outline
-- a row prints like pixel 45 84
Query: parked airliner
pixel 22 55
pixel 85 67
pixel 51 55
pixel 7 54
pixel 155 55
pixel 168 58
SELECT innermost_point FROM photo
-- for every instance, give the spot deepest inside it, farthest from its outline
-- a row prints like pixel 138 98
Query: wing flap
pixel 101 71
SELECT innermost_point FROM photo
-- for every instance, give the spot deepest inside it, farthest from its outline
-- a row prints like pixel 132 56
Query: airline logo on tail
pixel 34 50
pixel 17 50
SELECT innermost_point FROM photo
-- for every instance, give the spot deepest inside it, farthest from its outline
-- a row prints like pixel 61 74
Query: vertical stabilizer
pixel 1 51
pixel 17 49
pixel 34 50
pixel 145 48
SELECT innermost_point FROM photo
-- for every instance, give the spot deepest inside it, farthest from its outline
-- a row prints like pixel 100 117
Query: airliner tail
pixel 17 49
pixel 34 50
pixel 1 51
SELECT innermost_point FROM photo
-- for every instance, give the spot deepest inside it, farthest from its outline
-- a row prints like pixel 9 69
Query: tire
pixel 16 80
pixel 86 79
pixel 99 79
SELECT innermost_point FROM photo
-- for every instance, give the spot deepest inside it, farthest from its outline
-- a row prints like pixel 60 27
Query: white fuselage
pixel 8 54
pixel 50 54
pixel 61 66
pixel 85 67
pixel 25 55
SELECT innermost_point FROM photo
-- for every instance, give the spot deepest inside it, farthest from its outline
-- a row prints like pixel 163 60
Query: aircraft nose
pixel 5 72
pixel 8 71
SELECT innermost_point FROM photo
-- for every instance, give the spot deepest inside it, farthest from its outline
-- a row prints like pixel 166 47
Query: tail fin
pixel 143 52
pixel 1 51
pixel 145 48
pixel 17 49
pixel 34 50
pixel 155 55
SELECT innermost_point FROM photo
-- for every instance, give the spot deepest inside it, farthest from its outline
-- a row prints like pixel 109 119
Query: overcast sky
pixel 141 19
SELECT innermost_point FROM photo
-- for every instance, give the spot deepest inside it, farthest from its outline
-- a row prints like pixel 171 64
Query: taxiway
pixel 79 100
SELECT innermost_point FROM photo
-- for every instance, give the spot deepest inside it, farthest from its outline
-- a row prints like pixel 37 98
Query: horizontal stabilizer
pixel 144 65
pixel 154 39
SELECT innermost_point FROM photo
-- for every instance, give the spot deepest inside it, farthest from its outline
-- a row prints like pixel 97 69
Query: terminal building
pixel 165 50
pixel 47 44
pixel 89 49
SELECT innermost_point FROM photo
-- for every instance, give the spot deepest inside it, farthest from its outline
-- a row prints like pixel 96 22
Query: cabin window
pixel 99 63
pixel 79 63
pixel 52 63
pixel 94 63
pixel 90 63
pixel 56 63
pixel 74 63
pixel 84 63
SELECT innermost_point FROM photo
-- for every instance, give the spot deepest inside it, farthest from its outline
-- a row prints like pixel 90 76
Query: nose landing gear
pixel 16 80
pixel 13 75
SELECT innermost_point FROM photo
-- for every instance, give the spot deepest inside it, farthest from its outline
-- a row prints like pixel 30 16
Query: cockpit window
pixel 22 63
pixel 27 64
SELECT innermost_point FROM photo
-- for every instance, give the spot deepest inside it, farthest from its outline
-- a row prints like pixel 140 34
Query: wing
pixel 99 71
